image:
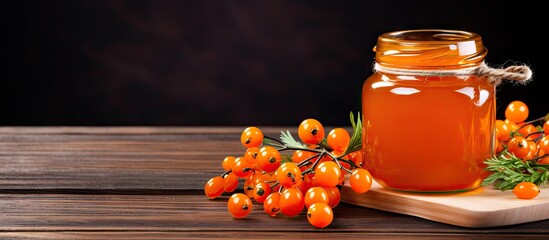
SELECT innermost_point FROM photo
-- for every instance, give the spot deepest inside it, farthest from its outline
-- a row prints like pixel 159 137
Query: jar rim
pixel 442 36
pixel 430 48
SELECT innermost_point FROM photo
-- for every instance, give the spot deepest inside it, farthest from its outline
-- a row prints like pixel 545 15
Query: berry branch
pixel 310 177
pixel 522 154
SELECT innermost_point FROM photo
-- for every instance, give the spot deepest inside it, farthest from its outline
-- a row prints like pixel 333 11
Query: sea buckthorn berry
pixel 526 190
pixel 268 159
pixel 301 186
pixel 544 160
pixel 356 157
pixel 228 163
pixel 316 195
pixel 291 201
pixel 334 195
pixel 533 150
pixel 518 146
pixel 543 143
pixel 239 205
pixel 261 192
pixel 511 125
pixel 338 139
pixel 516 111
pixel 502 130
pixel 300 156
pixel 320 215
pixel 251 154
pixel 361 180
pixel 308 181
pixel 249 186
pixel 499 147
pixel 288 174
pixel 310 131
pixel 242 168
pixel 271 204
pixel 231 182
pixel 252 181
pixel 251 137
pixel 528 130
pixel 342 178
pixel 327 174
pixel 214 187
pixel 546 127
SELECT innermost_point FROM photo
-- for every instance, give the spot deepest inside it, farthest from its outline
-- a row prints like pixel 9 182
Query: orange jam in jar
pixel 427 121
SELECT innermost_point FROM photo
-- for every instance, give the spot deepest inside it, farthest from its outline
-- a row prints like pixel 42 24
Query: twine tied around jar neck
pixel 518 73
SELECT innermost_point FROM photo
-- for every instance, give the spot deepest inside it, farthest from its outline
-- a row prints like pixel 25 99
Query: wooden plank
pixel 482 207
pixel 200 130
pixel 123 162
pixel 195 213
pixel 282 234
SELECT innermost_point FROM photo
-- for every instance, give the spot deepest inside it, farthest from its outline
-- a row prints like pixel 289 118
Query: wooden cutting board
pixel 482 207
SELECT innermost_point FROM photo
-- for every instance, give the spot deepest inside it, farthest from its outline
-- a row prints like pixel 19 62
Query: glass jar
pixel 427 120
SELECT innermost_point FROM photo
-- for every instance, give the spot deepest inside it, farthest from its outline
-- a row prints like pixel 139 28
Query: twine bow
pixel 521 74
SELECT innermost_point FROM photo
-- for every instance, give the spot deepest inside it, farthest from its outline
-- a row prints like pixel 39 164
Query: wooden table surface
pixel 147 183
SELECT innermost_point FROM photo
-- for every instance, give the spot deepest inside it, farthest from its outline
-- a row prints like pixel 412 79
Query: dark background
pixel 230 62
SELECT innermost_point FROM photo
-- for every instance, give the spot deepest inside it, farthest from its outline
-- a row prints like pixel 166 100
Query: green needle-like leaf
pixel 356 139
pixel 508 171
pixel 289 141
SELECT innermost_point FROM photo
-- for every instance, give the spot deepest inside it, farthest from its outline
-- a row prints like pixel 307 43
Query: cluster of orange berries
pixel 308 178
pixel 524 140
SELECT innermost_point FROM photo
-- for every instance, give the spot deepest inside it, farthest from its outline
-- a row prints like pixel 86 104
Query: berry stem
pixel 317 161
pixel 302 149
pixel 227 172
pixel 306 161
pixel 538 132
pixel 533 121
pixel 353 164
pixel 280 143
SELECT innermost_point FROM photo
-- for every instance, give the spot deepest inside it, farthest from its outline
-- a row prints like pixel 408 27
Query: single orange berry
pixel 228 163
pixel 543 143
pixel 546 127
pixel 300 155
pixel 251 137
pixel 334 195
pixel 261 192
pixel 356 157
pixel 528 131
pixel 502 130
pixel 268 159
pixel 288 174
pixel 516 111
pixel 271 204
pixel 311 131
pixel 316 195
pixel 526 190
pixel 518 146
pixel 214 187
pixel 327 174
pixel 242 168
pixel 511 125
pixel 338 139
pixel 231 182
pixel 361 180
pixel 239 205
pixel 251 154
pixel 291 201
pixel 320 215
pixel 544 160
